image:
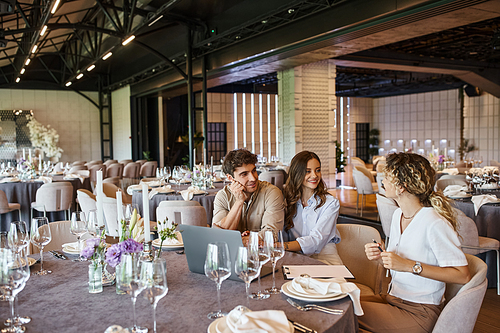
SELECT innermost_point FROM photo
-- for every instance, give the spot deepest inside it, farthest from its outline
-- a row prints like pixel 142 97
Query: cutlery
pixel 301 328
pixel 309 307
pixel 58 255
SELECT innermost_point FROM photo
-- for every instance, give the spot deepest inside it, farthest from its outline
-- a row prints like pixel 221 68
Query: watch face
pixel 417 268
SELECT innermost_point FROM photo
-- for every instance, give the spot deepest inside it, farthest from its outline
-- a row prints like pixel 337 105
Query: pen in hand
pixel 378 246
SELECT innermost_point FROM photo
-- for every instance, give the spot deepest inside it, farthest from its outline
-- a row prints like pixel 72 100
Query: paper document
pixel 316 271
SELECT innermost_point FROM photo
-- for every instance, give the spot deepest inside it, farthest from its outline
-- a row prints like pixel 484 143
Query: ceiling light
pixel 291 10
pixel 68 83
pixel 264 21
pixel 43 30
pixel 128 40
pixel 27 61
pixel 23 70
pixel 34 48
pixel 109 54
pixel 18 79
pixel 54 8
pixel 91 67
pixel 79 76
pixel 156 20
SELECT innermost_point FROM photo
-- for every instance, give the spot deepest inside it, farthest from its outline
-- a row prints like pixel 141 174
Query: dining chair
pixel 380 177
pixel 141 162
pixel 78 163
pixel 125 162
pixel 460 177
pixel 86 200
pixel 274 177
pixel 110 190
pixel 109 162
pixel 356 161
pixel 472 243
pixel 114 170
pixel 463 302
pixel 130 174
pixel 93 173
pixel 110 216
pixel 441 184
pixel 494 163
pixel 6 207
pixel 183 214
pixel 77 168
pixel 386 207
pixel 148 169
pixel 112 180
pixel 53 197
pixel 369 276
pixel 61 234
pixel 364 186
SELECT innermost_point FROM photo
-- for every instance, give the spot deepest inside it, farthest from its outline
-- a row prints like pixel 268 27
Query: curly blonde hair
pixel 415 174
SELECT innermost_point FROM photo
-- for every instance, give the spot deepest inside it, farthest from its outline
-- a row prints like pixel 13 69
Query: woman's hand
pixel 392 261
pixel 372 251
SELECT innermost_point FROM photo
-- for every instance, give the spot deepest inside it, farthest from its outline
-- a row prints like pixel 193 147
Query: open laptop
pixel 196 240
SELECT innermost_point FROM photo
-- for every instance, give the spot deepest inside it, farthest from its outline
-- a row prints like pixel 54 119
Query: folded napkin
pixel 243 320
pixel 45 180
pixel 73 247
pixel 116 329
pixel 156 190
pixel 480 200
pixel 170 241
pixel 451 171
pixel 336 285
pixel 455 191
pixel 10 180
pixel 190 192
pixel 152 183
pixel 73 176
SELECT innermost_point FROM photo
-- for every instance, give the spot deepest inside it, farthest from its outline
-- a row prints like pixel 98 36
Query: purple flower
pixel 93 242
pixel 187 175
pixel 441 159
pixel 130 246
pixel 114 255
pixel 88 252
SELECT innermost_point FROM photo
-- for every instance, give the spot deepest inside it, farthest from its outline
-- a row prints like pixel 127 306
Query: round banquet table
pixel 60 302
pixel 207 201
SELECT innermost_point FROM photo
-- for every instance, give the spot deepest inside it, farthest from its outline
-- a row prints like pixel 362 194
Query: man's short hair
pixel 236 158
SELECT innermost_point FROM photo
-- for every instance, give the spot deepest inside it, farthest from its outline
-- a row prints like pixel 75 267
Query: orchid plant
pixel 164 232
pixel 95 249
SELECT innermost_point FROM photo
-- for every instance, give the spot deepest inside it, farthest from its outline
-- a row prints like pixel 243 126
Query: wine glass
pixel 262 248
pixel 14 272
pixel 156 285
pixel 128 279
pixel 93 227
pixel 177 175
pixel 167 172
pixel 223 176
pixel 78 227
pixel 40 236
pixel 274 240
pixel 247 267
pixel 217 269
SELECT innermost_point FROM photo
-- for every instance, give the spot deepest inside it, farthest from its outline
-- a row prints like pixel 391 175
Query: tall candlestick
pixel 445 152
pixel 211 166
pixel 204 158
pixel 194 156
pixel 30 155
pixel 40 163
pixel 145 212
pixel 100 199
pixel 24 154
pixel 119 211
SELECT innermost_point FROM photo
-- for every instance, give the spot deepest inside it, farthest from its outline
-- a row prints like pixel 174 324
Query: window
pixel 217 140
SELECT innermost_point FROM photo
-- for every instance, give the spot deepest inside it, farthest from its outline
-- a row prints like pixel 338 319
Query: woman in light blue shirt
pixel 311 212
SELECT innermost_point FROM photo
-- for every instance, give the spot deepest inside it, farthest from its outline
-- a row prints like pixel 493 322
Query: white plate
pixel 134 188
pixel 31 261
pixel 464 196
pixel 312 294
pixel 156 243
pixel 70 250
pixel 219 326
pixel 287 290
pixel 166 190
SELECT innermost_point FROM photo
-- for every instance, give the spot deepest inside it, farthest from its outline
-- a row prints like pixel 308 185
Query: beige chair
pixel 380 177
pixel 368 275
pixel 78 163
pixel 130 174
pixel 109 162
pixel 472 243
pixel 182 214
pixel 110 216
pixel 141 162
pixel 83 173
pixel 93 173
pixel 61 234
pixel 110 190
pixel 75 168
pixel 112 180
pixel 53 197
pixel 6 207
pixel 460 177
pixel 356 161
pixel 274 177
pixel 86 200
pixel 386 207
pixel 366 172
pixel 442 183
pixel 114 170
pixel 364 186
pixel 125 162
pixel 148 169
pixel 178 203
pixel 494 163
pixel 463 302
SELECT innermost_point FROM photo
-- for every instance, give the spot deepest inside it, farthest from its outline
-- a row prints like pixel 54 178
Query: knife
pixel 58 255
pixel 301 328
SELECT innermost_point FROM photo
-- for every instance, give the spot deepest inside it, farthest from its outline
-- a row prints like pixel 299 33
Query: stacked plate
pixel 226 323
pixel 311 295
pixel 167 245
pixel 71 248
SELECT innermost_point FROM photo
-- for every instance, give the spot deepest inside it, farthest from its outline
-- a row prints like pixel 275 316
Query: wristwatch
pixel 417 268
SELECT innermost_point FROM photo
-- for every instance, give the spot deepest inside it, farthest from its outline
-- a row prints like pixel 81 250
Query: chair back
pixel 83 173
pixel 141 162
pixel 110 190
pixel 76 168
pixel 386 207
pixel 190 215
pixel 87 201
pixel 463 302
pixel 4 203
pixel 442 183
pixel 494 163
pixel 467 230
pixel 112 180
pixel 93 171
pixel 109 162
pixel 148 169
pixel 365 171
pixel 178 203
pixel 131 170
pixel 55 196
pixel 125 162
pixel 461 177
pixel 110 216
pixel 356 161
pixel 362 182
pixel 78 163
pixel 380 177
pixel 274 177
pixel 351 249
pixel 61 234
pixel 114 170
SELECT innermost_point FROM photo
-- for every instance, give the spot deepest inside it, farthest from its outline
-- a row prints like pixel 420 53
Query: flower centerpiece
pixel 45 138
pixel 94 251
pixel 166 230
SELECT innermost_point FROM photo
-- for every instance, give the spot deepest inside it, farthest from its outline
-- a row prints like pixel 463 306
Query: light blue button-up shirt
pixel 314 228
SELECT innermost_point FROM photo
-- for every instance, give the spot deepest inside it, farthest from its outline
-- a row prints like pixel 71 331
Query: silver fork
pixel 309 307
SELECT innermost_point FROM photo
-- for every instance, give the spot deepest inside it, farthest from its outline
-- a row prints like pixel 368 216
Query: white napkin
pixel 152 183
pixel 116 329
pixel 156 190
pixel 242 320
pixel 336 285
pixel 189 193
pixel 480 200
pixel 132 188
pixel 73 176
pixel 10 180
pixel 455 191
pixel 45 180
pixel 170 241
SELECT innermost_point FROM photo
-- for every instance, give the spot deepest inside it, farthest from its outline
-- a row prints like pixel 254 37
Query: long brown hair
pixel 293 188
pixel 415 174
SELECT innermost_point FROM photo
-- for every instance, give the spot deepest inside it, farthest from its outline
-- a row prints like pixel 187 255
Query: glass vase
pixel 118 274
pixel 95 278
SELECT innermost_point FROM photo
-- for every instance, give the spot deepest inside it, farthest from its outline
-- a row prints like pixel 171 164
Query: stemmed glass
pixel 14 272
pixel 156 283
pixel 128 279
pixel 223 176
pixel 40 236
pixel 264 255
pixel 217 269
pixel 78 227
pixel 274 240
pixel 177 175
pixel 93 227
pixel 167 172
pixel 247 267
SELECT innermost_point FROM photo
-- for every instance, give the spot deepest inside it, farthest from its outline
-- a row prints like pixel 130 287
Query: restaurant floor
pixel 489 315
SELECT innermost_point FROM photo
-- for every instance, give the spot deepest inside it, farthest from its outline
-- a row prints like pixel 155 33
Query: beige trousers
pixel 328 255
pixel 386 313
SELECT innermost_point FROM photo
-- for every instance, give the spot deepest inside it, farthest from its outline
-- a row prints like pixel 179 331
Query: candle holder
pixel 147 251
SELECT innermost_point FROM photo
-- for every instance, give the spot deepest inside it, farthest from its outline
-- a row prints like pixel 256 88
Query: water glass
pixel 40 236
pixel 18 237
pixel 247 267
pixel 255 244
pixel 274 240
pixel 217 269
pixel 156 283
pixel 78 227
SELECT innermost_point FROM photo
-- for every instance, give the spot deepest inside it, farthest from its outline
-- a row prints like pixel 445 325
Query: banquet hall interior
pixel 183 82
